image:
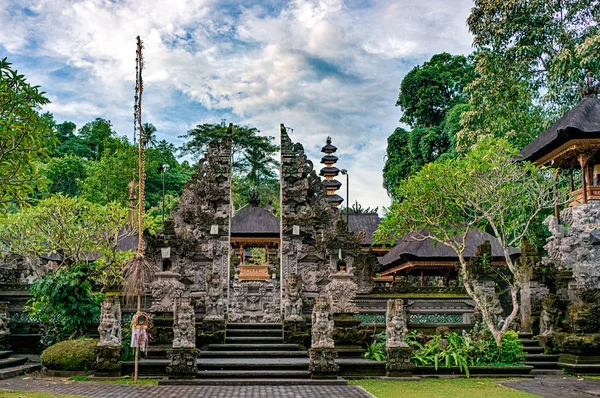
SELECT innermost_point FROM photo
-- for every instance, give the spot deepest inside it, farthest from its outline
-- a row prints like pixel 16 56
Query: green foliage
pixel 462 351
pixel 25 135
pixel 357 208
pixel 268 191
pixel 70 355
pixel 428 91
pixel 65 174
pixel 376 350
pixel 97 135
pixel 65 303
pixel 530 57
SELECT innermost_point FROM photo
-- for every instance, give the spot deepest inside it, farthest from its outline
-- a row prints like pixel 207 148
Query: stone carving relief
pixel 549 316
pixel 164 291
pixel 292 303
pixel 184 329
pixel 4 323
pixel 255 301
pixel 214 302
pixel 396 321
pixel 110 323
pixel 341 292
pixel 577 247
pixel 322 324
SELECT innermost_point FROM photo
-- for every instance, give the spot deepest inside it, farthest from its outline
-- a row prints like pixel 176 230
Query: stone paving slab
pixel 103 390
pixel 552 387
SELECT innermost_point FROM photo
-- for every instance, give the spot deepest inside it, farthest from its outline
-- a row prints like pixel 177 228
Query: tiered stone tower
pixel 330 172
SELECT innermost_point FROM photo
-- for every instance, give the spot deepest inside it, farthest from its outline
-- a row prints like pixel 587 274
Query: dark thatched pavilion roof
pixel 363 222
pixel 583 121
pixel 410 249
pixel 255 221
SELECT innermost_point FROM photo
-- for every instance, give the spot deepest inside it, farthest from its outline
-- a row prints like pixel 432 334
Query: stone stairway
pixel 254 354
pixel 543 364
pixel 13 366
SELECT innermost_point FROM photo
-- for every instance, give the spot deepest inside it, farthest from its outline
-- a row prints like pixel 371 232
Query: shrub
pixel 376 350
pixel 511 351
pixel 70 355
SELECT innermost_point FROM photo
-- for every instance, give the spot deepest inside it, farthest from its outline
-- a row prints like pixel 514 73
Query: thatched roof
pixel 363 222
pixel 410 249
pixel 583 121
pixel 254 221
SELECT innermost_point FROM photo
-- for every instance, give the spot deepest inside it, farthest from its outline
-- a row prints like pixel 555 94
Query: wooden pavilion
pixel 573 143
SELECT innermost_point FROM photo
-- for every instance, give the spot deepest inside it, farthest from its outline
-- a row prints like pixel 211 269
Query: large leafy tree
pixel 484 189
pixel 428 91
pixel 431 99
pixel 254 164
pixel 97 135
pixel 85 237
pixel 531 55
pixel 25 134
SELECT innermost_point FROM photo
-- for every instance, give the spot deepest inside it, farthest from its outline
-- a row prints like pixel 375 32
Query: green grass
pixel 123 380
pixel 439 388
pixel 27 394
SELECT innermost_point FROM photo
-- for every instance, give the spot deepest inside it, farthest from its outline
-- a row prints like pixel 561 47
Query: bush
pixel 70 355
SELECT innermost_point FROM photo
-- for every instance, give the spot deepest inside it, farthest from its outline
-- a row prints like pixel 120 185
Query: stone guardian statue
pixel 396 329
pixel 110 322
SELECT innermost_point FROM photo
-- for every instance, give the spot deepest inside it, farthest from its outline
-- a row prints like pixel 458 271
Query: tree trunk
pixel 526 304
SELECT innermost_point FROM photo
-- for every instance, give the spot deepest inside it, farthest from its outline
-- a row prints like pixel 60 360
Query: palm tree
pixel 149 135
pixel 260 165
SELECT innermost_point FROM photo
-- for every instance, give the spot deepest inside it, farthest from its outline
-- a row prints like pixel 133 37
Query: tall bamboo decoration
pixel 138 271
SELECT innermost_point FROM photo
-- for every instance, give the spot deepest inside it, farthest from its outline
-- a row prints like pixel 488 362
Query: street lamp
pixel 165 167
pixel 345 172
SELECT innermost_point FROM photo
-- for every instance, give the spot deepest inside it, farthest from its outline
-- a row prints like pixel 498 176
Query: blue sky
pixel 322 67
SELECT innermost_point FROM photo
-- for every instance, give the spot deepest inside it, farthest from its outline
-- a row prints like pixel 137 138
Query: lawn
pixel 123 380
pixel 439 388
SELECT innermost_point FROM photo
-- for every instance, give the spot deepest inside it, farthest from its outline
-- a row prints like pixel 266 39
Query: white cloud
pixel 323 67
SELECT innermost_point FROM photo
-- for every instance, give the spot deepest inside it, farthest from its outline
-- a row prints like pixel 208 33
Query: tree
pixel 430 94
pixel 260 166
pixel 429 90
pixel 65 174
pixel 244 139
pixel 149 135
pixel 86 237
pixel 483 189
pixel 65 131
pixel 531 55
pixel 97 135
pixel 357 208
pixel 25 134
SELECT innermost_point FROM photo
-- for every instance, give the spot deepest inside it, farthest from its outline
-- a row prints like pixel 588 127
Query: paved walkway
pixel 553 387
pixel 103 390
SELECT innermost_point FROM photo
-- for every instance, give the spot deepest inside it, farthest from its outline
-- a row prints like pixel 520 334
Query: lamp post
pixel 165 167
pixel 345 172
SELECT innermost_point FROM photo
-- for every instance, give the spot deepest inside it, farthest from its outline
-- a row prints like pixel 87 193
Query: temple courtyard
pixel 548 386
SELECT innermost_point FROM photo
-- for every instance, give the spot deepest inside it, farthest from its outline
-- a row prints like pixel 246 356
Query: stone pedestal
pixel 322 363
pixel 348 331
pixel 108 361
pixel 296 332
pixel 4 325
pixel 398 363
pixel 183 363
pixel 162 335
pixel 210 332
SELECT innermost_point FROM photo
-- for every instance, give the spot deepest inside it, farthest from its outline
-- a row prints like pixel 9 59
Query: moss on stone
pixel 417 295
pixel 70 355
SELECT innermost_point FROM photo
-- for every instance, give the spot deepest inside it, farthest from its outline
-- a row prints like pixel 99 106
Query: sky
pixel 321 67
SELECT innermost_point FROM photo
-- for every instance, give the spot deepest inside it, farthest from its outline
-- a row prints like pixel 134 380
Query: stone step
pixel 12 362
pixel 351 352
pixel 15 371
pixel 247 364
pixel 533 350
pixel 542 357
pixel 542 364
pixel 253 332
pixel 5 354
pixel 547 372
pixel 253 347
pixel 253 354
pixel 254 326
pixel 253 340
pixel 525 335
pixel 530 342
pixel 252 382
pixel 258 374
